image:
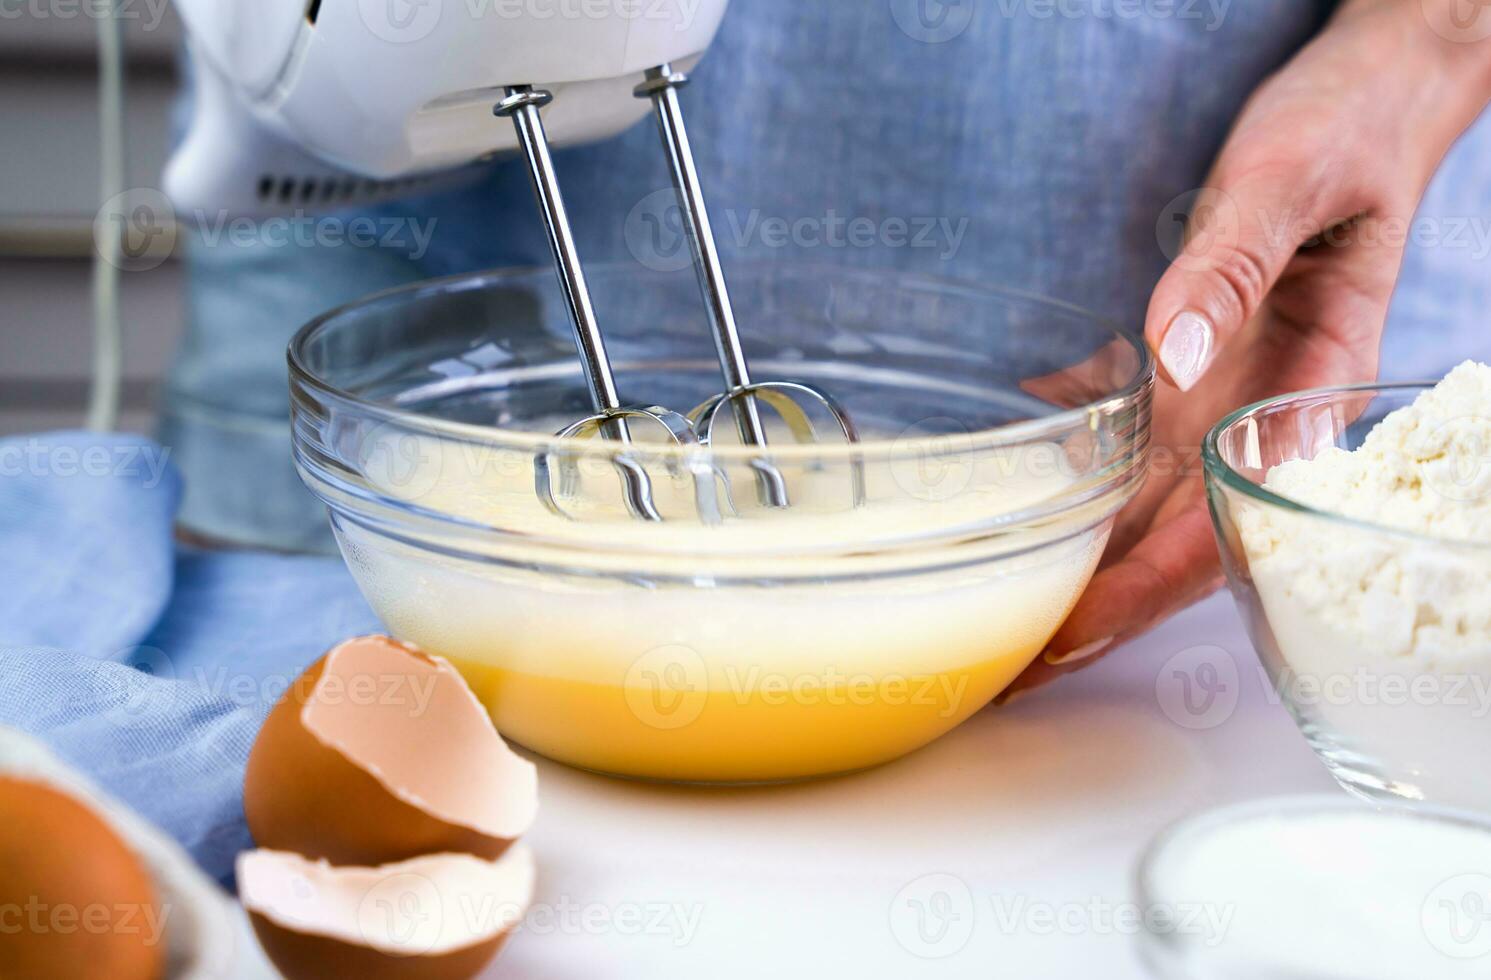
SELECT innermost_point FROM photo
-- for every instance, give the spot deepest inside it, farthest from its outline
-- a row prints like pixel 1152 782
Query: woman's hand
pixel 1283 283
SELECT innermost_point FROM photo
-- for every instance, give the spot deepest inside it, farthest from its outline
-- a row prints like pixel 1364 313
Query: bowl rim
pixel 1132 391
pixel 1219 469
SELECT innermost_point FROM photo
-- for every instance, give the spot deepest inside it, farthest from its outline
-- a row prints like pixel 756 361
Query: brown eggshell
pixel 441 917
pixel 75 902
pixel 381 753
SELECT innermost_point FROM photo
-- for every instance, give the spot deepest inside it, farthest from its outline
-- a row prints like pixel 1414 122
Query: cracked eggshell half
pixel 188 925
pixel 439 917
pixel 380 752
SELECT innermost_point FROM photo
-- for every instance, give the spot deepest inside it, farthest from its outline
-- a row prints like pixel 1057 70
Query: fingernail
pixel 1187 348
pixel 1085 652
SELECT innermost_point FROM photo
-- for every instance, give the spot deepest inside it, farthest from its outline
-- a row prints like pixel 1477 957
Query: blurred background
pixel 48 200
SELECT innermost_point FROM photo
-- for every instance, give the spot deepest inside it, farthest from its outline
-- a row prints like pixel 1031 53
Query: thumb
pixel 1239 238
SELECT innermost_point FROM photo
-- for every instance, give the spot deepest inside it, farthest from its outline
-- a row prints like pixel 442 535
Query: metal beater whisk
pixel 612 419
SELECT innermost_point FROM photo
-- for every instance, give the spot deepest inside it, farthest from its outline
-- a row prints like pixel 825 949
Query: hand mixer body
pixel 293 99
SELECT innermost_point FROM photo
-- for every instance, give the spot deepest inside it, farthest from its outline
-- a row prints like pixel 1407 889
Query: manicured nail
pixel 1085 652
pixel 1187 348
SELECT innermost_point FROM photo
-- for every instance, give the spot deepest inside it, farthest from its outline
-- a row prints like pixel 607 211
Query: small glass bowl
pixel 1001 433
pixel 1316 888
pixel 1359 627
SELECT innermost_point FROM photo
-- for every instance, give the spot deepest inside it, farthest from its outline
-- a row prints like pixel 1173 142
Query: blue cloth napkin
pixel 147 664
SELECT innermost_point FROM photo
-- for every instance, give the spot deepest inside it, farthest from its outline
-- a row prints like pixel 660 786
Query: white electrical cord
pixel 108 244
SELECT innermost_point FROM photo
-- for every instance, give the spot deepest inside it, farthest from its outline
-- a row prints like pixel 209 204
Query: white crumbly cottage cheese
pixel 1386 638
pixel 1426 469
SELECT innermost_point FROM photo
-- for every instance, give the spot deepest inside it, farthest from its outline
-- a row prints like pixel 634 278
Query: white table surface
pixel 1037 808
pixel 1003 850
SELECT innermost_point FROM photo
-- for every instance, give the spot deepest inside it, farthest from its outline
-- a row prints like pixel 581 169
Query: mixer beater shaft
pixel 522 105
pixel 661 86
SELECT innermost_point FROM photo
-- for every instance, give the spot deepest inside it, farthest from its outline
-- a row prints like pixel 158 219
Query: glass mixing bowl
pixel 1348 617
pixel 912 577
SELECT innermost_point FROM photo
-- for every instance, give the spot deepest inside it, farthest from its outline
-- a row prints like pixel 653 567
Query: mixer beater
pixel 612 419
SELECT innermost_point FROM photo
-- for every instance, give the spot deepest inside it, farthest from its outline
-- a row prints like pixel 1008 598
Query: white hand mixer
pixel 362 100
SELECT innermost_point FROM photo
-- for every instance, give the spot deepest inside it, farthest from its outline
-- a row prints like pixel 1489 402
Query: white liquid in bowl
pixel 1324 890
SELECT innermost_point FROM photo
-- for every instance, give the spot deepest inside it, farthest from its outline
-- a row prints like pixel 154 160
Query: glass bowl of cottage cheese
pixel 1355 528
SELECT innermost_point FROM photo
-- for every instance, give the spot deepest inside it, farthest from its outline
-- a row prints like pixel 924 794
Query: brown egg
pixel 75 902
pixel 381 753
pixel 441 917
